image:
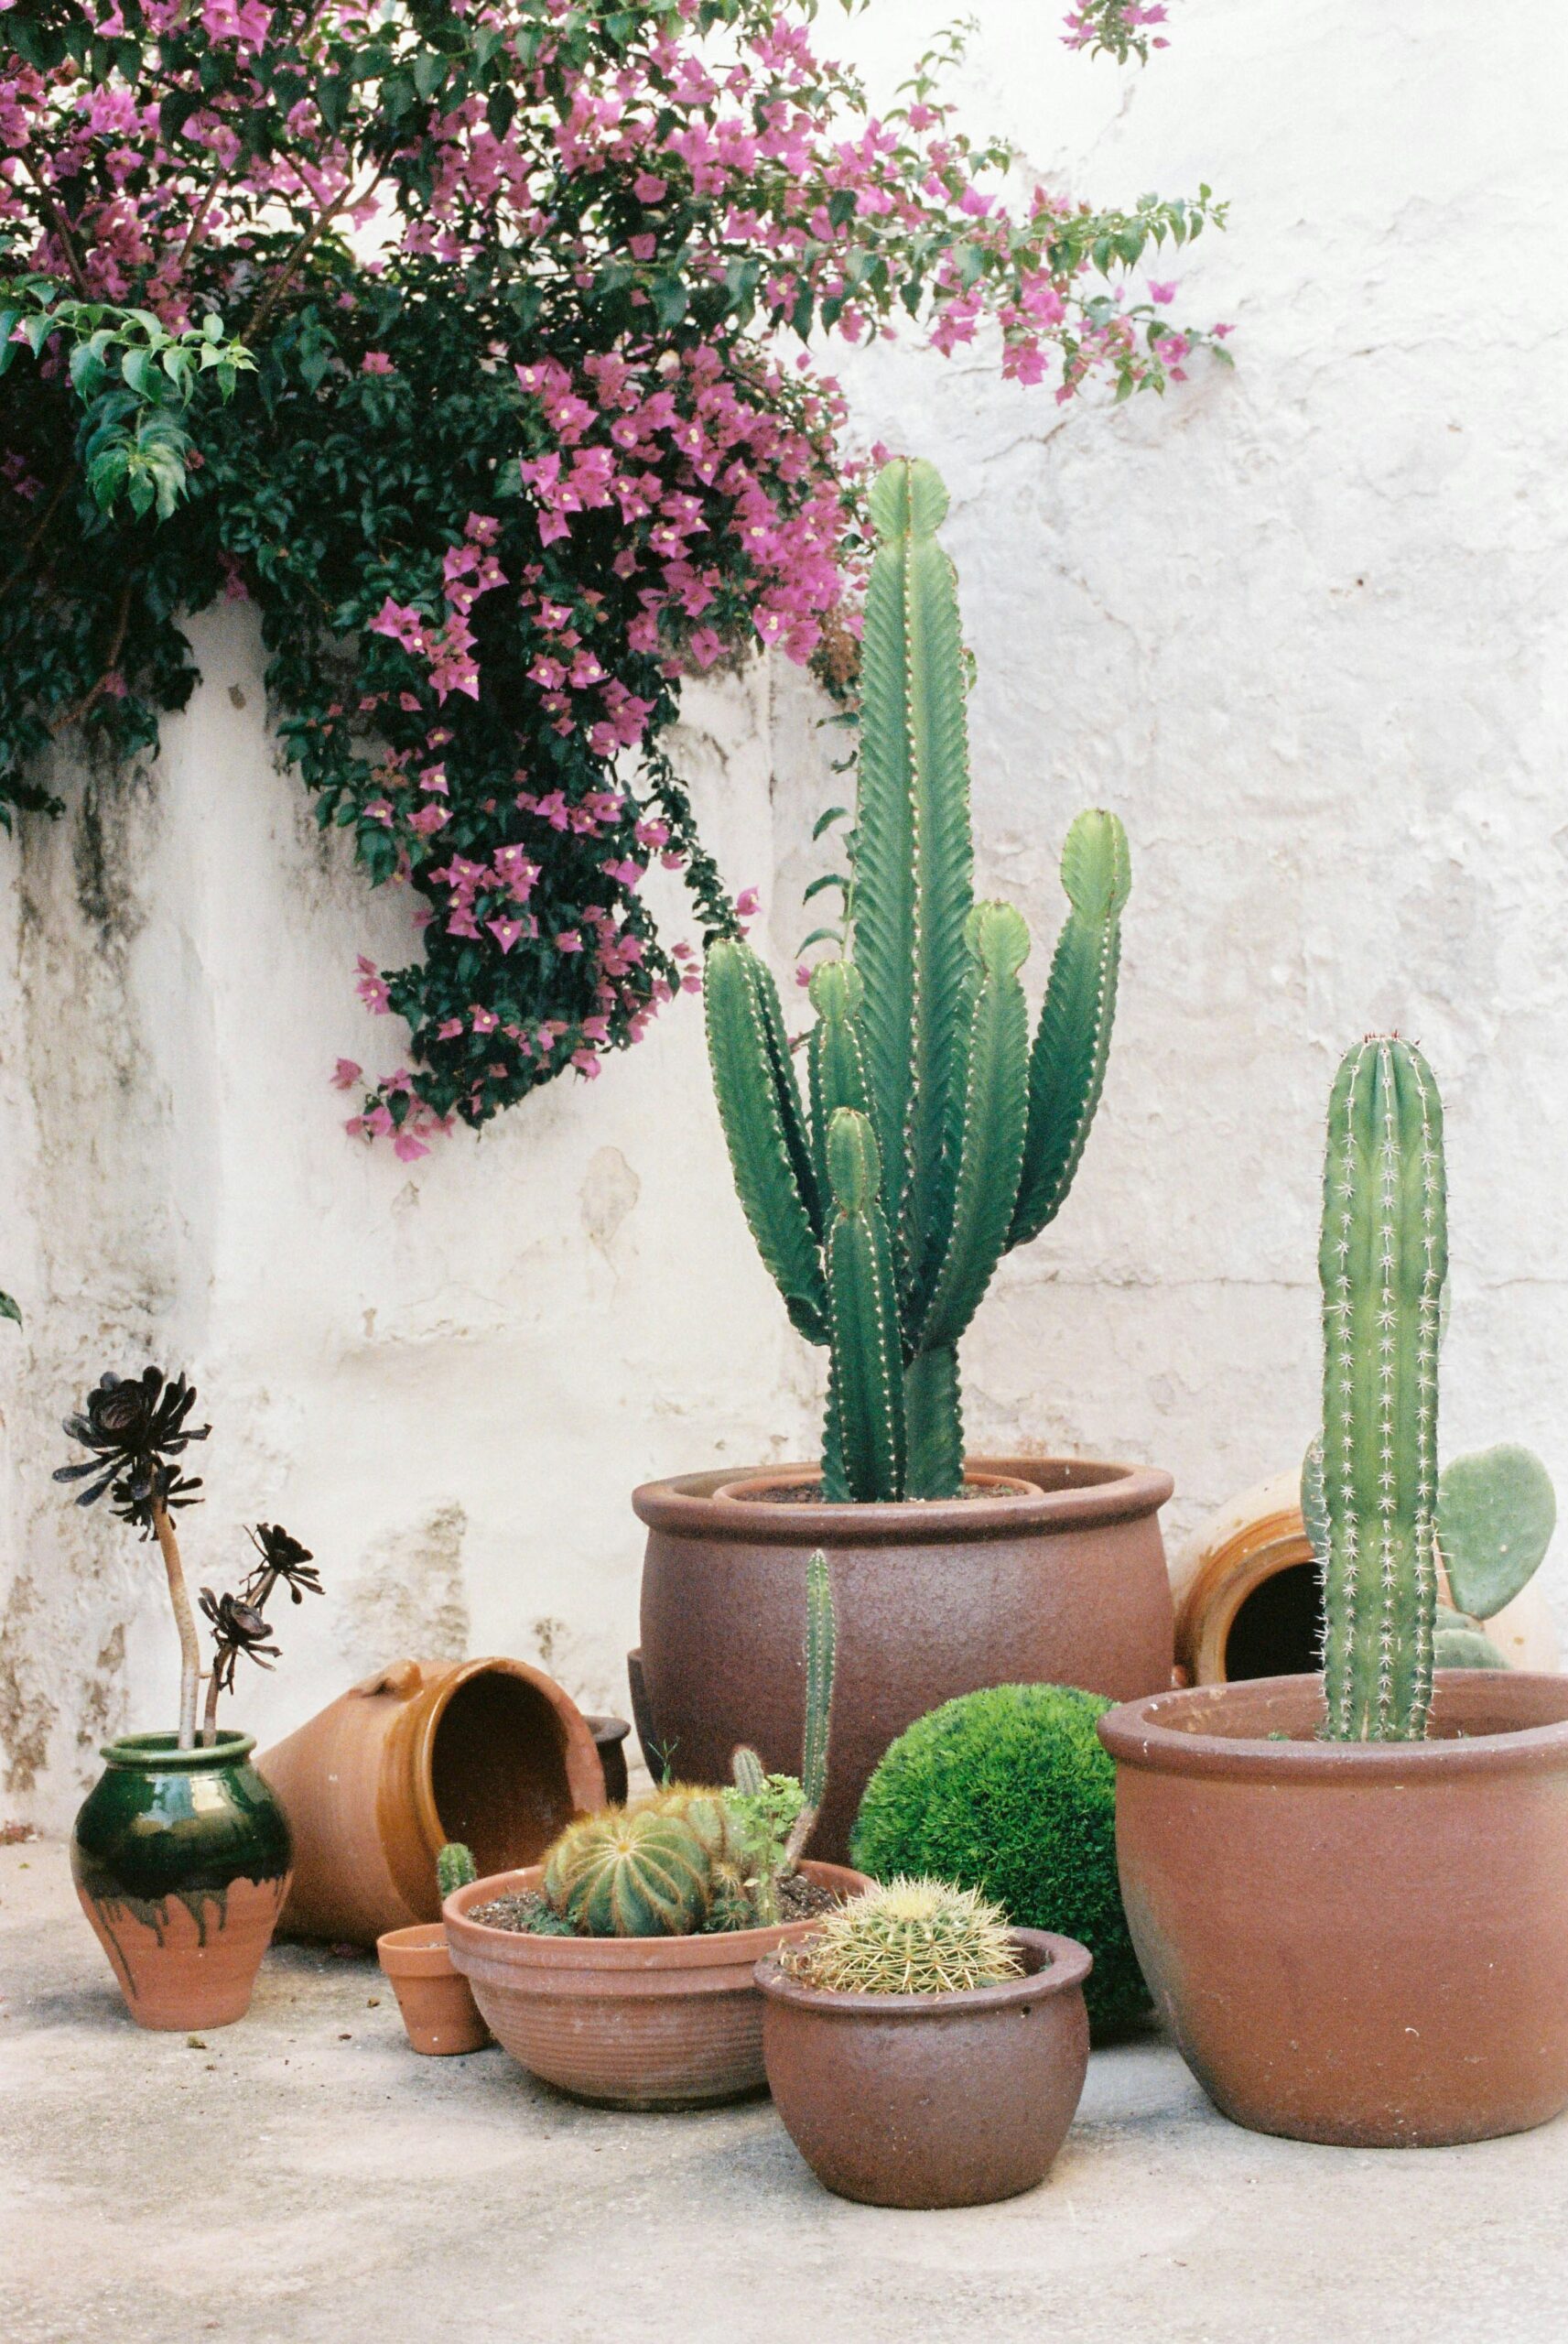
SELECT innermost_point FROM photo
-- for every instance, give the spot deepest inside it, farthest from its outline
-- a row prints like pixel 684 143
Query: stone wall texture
pixel 1301 624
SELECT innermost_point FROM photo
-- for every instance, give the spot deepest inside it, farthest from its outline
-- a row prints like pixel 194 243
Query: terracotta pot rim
pixel 721 1948
pixel 1137 1732
pixel 689 1503
pixel 161 1753
pixel 1064 1964
pixel 418 1951
pixel 553 1694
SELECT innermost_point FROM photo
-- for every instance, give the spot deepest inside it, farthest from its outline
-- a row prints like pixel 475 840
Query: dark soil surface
pixel 799 1900
pixel 810 1493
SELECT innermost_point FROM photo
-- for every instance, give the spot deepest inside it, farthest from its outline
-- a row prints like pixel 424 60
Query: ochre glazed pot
pixel 492 1753
pixel 629 2022
pixel 435 2001
pixel 180 1860
pixel 932 2099
pixel 1356 1942
pixel 1065 1584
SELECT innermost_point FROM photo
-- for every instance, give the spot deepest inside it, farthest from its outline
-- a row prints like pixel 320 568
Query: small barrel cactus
pixel 455 1868
pixel 911 1936
pixel 645 1873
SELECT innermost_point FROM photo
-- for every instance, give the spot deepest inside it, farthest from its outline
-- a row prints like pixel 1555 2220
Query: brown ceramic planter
pixel 610 1740
pixel 932 2099
pixel 492 1753
pixel 629 2022
pixel 1355 1942
pixel 1065 1584
pixel 435 2001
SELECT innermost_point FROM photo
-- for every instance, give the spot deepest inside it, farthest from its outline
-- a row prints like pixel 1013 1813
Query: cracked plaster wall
pixel 1303 626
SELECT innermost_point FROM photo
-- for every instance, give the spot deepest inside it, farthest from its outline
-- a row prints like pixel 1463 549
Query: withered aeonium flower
pixel 135 1428
pixel 237 1628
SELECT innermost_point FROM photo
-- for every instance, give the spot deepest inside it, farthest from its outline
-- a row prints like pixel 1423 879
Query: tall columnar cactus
pixel 932 1137
pixel 1382 1262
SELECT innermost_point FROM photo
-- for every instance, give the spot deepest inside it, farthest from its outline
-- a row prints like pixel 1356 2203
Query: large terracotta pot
pixel 1248 1603
pixel 489 1752
pixel 1063 1583
pixel 628 2021
pixel 932 2099
pixel 180 1860
pixel 1355 1942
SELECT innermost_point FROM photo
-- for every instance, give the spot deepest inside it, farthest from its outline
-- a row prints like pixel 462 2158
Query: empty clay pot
pixel 628 2021
pixel 932 2099
pixel 492 1753
pixel 1060 1581
pixel 610 1740
pixel 1356 1942
pixel 436 2004
pixel 180 1860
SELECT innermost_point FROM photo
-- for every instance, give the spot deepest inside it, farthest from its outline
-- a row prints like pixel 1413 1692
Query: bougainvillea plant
pixel 467 339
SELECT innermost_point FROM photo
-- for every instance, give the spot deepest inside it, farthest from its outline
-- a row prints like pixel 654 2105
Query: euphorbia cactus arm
pixel 1072 1043
pixel 759 1105
pixel 1382 1260
pixel 864 1309
pixel 913 858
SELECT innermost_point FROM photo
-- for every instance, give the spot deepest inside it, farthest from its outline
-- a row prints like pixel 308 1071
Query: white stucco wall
pixel 1303 626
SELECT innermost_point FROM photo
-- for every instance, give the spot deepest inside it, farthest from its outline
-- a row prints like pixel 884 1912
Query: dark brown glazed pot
pixel 1064 1585
pixel 435 2001
pixel 932 2099
pixel 628 2021
pixel 610 1740
pixel 1356 1942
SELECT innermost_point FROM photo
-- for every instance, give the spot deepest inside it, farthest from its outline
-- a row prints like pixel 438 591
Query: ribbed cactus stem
pixel 1382 1262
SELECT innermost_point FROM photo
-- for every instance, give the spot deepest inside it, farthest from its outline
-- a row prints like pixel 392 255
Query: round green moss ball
pixel 1009 1791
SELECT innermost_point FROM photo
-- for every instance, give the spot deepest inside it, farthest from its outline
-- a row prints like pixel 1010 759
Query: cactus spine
pixel 1382 1262
pixel 931 1139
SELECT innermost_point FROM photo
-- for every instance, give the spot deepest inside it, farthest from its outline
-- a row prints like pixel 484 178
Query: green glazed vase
pixel 181 1861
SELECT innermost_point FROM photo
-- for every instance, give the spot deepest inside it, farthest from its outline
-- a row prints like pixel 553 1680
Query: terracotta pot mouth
pixel 534 1692
pixel 420 1952
pixel 1061 1493
pixel 1053 1965
pixel 727 1948
pixel 798 1479
pixel 1265 1728
pixel 159 1753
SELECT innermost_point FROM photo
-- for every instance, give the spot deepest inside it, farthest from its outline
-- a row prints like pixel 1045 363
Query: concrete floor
pixel 304 2178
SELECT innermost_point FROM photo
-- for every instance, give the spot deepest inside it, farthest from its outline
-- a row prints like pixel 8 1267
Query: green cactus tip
pixel 455 1868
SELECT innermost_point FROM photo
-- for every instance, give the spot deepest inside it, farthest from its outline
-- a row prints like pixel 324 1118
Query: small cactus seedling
pixel 1385 1528
pixel 932 1137
pixel 455 1869
pixel 909 1936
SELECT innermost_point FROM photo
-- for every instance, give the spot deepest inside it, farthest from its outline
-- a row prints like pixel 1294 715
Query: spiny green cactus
pixel 910 1936
pixel 455 1868
pixel 1388 1532
pixel 642 1873
pixel 1382 1260
pixel 931 1139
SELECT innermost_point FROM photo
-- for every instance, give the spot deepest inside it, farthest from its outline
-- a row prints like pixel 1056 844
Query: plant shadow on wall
pixel 451 340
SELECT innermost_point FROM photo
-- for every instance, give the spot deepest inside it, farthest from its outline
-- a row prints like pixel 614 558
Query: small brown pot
pixel 435 2001
pixel 932 2099
pixel 1062 1583
pixel 492 1753
pixel 610 1740
pixel 628 2021
pixel 1356 1942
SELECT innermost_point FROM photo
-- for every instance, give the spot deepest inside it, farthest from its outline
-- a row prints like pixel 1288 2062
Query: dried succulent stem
pixel 185 1624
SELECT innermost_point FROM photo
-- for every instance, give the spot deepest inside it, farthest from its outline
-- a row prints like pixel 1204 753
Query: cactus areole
pixel 932 1136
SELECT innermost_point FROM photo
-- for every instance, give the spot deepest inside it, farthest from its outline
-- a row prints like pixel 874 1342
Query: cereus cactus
pixel 455 1868
pixel 932 1138
pixel 1412 1562
pixel 911 1936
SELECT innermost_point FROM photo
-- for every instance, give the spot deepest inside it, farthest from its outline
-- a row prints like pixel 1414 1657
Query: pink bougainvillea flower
pixel 348 1072
pixel 376 362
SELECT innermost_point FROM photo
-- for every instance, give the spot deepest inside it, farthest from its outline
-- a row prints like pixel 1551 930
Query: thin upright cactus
pixel 1382 1260
pixel 931 1138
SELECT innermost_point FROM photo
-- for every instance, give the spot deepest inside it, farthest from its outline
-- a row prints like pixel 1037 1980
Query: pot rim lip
pixel 719 1948
pixel 1111 1492
pixel 605 1728
pixel 412 1947
pixel 158 1754
pixel 1065 1966
pixel 1136 1735
pixel 579 1750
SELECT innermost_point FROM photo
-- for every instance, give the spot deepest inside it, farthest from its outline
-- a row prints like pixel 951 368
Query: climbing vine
pixel 468 343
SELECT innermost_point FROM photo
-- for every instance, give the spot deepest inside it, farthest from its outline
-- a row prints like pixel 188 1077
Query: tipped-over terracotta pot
pixel 435 2001
pixel 932 2099
pixel 629 2022
pixel 180 1860
pixel 1060 1579
pixel 1355 1942
pixel 492 1753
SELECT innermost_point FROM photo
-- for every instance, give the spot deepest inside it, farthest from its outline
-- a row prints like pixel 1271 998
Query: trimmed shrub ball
pixel 1009 1791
